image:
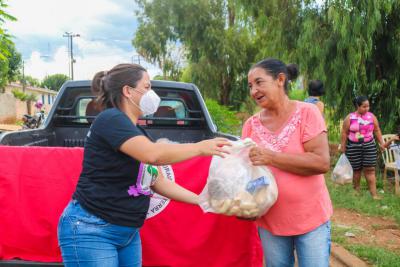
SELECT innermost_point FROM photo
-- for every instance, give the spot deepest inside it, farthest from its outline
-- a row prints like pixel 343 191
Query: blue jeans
pixel 313 248
pixel 88 241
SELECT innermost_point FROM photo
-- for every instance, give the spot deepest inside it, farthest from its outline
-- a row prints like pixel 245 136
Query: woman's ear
pixel 281 79
pixel 126 91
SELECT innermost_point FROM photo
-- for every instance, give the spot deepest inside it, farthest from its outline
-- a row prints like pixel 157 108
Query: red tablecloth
pixel 36 184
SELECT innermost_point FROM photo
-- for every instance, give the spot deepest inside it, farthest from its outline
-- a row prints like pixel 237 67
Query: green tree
pixel 14 63
pixel 55 81
pixel 6 55
pixel 10 65
pixel 5 37
pixel 218 49
pixel 28 98
pixel 224 118
pixel 31 81
pixel 353 47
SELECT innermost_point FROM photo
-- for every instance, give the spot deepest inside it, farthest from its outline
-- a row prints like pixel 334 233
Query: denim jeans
pixel 313 248
pixel 88 241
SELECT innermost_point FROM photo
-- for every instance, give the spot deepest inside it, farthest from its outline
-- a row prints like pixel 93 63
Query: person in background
pixel 100 226
pixel 358 143
pixel 393 139
pixel 291 139
pixel 315 91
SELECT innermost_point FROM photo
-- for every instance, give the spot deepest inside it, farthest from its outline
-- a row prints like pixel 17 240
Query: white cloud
pixel 53 17
pixel 99 57
pixel 42 23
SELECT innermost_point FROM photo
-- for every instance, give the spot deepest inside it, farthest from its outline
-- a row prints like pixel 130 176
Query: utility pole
pixel 23 76
pixel 70 37
pixel 135 59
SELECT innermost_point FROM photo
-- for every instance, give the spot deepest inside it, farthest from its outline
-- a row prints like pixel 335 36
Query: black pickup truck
pixel 182 117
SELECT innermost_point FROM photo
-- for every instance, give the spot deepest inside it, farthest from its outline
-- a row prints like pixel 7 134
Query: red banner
pixel 36 184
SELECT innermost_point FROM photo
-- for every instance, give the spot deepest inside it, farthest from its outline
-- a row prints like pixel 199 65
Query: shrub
pixel 224 118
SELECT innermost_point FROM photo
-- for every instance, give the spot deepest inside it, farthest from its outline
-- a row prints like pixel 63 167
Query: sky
pixel 106 29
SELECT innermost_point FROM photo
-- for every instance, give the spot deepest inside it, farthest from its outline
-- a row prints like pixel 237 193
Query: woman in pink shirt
pixel 292 142
pixel 359 145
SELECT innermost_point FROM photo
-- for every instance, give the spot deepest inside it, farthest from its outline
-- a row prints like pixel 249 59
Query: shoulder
pixel 109 114
pixel 251 118
pixel 111 118
pixel 352 115
pixel 370 115
pixel 305 107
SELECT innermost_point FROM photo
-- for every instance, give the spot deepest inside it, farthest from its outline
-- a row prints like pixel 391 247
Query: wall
pixel 12 109
pixel 41 94
pixel 7 109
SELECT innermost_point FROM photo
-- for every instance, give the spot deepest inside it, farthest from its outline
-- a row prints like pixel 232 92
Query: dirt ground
pixel 368 230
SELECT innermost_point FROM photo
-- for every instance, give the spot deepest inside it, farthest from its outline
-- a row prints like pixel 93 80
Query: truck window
pixel 178 107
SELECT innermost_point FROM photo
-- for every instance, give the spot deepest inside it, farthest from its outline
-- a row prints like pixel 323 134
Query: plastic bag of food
pixel 343 172
pixel 236 187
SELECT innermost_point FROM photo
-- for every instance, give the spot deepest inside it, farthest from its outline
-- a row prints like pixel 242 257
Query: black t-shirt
pixel 109 178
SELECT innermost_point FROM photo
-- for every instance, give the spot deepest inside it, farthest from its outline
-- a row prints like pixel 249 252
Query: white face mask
pixel 148 103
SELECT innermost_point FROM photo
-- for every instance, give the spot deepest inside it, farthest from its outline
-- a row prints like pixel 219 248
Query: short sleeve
pixel 115 129
pixel 246 129
pixel 313 123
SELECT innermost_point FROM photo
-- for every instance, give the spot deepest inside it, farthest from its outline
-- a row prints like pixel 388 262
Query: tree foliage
pixel 355 51
pixel 224 118
pixel 55 81
pixel 10 59
pixel 4 36
pixel 29 80
pixel 351 45
pixel 217 47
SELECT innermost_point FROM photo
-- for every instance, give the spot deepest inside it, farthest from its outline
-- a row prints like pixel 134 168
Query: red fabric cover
pixel 36 184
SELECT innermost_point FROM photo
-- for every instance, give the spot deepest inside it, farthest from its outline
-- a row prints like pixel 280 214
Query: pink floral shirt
pixel 303 201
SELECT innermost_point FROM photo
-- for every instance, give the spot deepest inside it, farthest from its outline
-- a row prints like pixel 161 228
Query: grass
pixel 344 196
pixel 374 255
pixel 377 256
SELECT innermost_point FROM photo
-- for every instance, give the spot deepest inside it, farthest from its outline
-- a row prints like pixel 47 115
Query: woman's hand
pixel 342 149
pixel 389 142
pixel 214 147
pixel 261 156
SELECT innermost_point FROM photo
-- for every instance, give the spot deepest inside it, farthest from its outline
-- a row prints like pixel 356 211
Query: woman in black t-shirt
pixel 100 226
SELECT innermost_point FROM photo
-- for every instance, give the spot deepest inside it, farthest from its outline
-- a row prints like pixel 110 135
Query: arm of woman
pixel 391 140
pixel 144 150
pixel 171 190
pixel 344 134
pixel 314 161
pixel 378 134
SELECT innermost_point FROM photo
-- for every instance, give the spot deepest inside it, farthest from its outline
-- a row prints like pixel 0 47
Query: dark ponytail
pixel 107 85
pixel 274 67
pixel 293 71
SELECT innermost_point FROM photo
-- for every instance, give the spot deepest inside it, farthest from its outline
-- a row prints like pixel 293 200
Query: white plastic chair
pixel 390 156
